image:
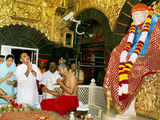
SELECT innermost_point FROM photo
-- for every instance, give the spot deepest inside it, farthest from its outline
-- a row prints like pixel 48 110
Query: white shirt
pixel 49 79
pixel 27 92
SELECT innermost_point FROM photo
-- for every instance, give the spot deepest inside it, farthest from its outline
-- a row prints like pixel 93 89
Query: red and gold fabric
pixel 143 65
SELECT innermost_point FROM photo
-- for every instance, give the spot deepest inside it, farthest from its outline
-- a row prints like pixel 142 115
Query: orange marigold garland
pixel 125 66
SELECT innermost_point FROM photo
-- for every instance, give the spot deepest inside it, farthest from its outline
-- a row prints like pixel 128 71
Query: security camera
pixel 68 17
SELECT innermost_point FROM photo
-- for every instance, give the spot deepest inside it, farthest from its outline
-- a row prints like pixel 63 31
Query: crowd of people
pixel 24 83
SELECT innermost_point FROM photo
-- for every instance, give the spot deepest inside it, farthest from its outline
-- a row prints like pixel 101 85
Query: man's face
pixel 1 60
pixel 42 65
pixel 52 67
pixel 25 58
pixel 139 17
pixel 73 66
pixel 61 61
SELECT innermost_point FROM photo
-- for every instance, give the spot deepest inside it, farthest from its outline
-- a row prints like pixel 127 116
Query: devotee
pixel 67 100
pixel 1 59
pixel 42 65
pixel 62 61
pixel 135 56
pixel 7 77
pixel 27 74
pixel 49 78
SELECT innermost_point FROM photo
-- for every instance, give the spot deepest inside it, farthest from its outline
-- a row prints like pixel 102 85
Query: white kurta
pixel 27 92
pixel 49 79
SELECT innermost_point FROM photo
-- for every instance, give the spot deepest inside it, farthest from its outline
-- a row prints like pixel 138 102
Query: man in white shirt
pixel 49 79
pixel 27 74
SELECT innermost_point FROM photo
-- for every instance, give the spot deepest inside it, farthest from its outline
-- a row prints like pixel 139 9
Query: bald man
pixel 67 99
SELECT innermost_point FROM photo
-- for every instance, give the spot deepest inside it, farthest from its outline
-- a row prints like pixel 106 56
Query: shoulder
pixel 56 72
pixel 73 77
pixel 158 23
pixel 34 65
pixel 46 73
pixel 21 66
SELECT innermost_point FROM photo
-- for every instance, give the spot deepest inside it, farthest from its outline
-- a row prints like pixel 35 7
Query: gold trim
pixel 129 3
pixel 122 24
pixel 127 15
pixel 120 34
pixel 70 44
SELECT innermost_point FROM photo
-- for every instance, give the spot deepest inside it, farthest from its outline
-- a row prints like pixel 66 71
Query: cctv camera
pixel 68 17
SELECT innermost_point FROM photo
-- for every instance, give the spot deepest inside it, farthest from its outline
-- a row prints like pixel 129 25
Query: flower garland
pixel 42 118
pixel 125 66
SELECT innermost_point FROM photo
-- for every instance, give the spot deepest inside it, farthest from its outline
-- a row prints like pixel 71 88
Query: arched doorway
pixel 24 36
pixel 94 47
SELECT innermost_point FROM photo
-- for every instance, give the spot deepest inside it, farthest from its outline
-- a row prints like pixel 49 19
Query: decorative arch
pixel 25 36
pixel 94 14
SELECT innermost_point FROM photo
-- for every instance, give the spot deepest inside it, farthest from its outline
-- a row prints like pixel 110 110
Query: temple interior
pixel 85 33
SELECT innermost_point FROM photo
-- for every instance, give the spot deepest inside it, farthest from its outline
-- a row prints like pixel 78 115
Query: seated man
pixel 49 78
pixel 67 99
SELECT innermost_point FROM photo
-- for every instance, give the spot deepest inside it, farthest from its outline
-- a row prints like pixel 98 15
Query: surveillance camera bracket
pixel 78 22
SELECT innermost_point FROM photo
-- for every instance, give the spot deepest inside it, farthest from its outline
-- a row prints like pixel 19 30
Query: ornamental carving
pixel 111 8
pixel 26 11
pixel 45 15
pixel 156 7
pixel 148 98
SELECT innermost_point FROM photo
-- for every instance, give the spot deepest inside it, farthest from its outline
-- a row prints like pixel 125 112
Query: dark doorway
pixel 93 45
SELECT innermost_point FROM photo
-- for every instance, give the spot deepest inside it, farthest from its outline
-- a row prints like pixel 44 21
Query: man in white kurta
pixel 27 74
pixel 49 79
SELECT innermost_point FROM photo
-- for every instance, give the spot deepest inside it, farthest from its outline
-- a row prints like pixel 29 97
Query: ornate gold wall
pixel 148 98
pixel 41 14
pixel 111 8
pixel 38 14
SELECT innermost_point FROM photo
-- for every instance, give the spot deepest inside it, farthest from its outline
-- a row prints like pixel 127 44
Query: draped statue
pixel 137 55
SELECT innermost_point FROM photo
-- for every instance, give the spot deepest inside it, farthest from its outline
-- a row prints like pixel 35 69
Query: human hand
pixel 29 67
pixel 59 81
pixel 9 75
pixel 34 73
pixel 10 82
pixel 9 98
pixel 54 93
pixel 59 91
